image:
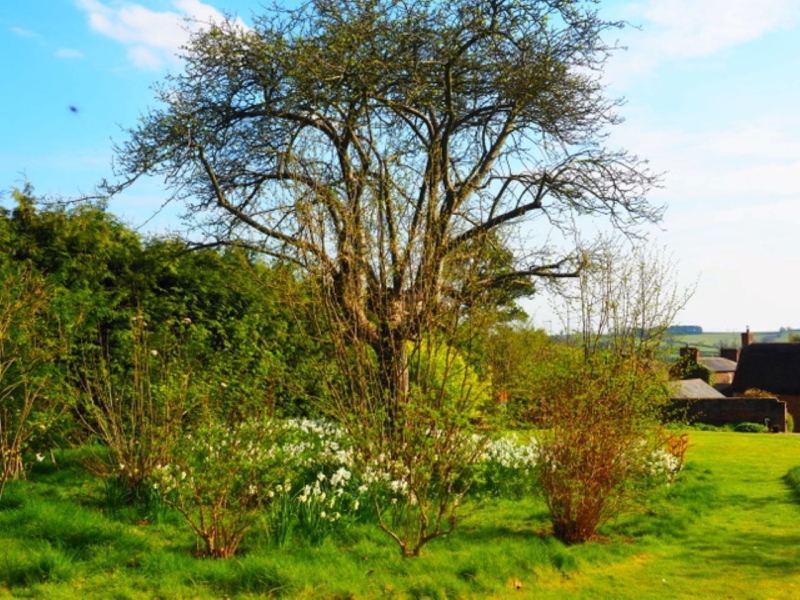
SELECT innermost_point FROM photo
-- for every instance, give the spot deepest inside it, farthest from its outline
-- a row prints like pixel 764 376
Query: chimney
pixel 730 353
pixel 690 355
pixel 747 338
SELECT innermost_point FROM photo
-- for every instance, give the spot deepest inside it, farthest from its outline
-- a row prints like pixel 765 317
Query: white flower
pixel 39 457
pixel 154 352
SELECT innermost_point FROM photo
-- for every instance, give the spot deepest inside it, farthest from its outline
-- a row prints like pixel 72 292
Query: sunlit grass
pixel 724 529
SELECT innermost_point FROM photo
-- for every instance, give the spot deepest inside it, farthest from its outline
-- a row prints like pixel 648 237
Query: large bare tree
pixel 383 144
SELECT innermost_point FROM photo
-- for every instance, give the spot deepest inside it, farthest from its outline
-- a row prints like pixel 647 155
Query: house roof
pixel 718 364
pixel 688 389
pixel 774 368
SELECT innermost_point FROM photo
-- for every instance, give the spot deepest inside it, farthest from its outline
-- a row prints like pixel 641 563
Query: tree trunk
pixel 393 377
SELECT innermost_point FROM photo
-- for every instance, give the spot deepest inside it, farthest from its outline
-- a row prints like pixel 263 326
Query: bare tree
pixel 625 298
pixel 377 143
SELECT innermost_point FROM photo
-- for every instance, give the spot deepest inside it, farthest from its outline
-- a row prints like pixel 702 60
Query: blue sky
pixel 712 89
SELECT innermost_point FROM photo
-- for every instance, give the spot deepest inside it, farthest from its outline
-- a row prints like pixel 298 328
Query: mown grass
pixel 726 529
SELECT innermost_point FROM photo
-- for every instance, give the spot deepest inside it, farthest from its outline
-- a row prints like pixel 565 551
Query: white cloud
pixel 679 29
pixel 145 58
pixel 153 38
pixel 689 28
pixel 731 161
pixel 68 53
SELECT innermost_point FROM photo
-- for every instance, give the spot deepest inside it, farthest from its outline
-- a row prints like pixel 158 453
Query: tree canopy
pixel 389 147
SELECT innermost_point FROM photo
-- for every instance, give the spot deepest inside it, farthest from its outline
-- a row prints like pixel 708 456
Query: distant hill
pixel 710 342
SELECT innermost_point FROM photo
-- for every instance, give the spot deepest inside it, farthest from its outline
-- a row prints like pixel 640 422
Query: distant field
pixel 710 342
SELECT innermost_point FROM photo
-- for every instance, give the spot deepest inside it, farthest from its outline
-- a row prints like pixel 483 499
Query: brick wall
pixel 726 411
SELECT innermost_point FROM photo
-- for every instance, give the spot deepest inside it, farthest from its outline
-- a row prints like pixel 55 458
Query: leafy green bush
pixel 750 428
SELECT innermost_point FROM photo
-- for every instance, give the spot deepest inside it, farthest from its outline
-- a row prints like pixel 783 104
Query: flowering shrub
pixel 221 476
pixel 662 466
pixel 416 483
pixel 307 481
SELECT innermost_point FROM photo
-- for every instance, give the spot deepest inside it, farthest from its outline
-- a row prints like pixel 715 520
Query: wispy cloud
pixel 68 53
pixel 681 29
pixel 25 33
pixel 152 38
pixel 730 165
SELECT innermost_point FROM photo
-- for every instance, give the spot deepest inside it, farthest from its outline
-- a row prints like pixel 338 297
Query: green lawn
pixel 741 542
pixel 727 529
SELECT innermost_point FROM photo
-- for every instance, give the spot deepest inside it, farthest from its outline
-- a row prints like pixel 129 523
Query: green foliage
pixel 751 428
pixel 247 317
pixel 688 368
pixel 516 356
pixel 441 373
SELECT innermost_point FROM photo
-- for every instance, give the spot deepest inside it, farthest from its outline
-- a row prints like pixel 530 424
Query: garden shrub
pixel 221 476
pixel 598 413
pixel 136 412
pixel 750 428
pixel 31 393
